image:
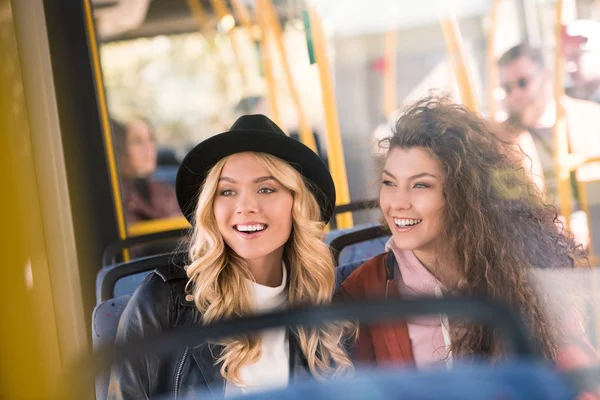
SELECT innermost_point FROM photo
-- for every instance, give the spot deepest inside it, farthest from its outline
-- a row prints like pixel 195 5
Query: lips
pixel 250 230
pixel 407 222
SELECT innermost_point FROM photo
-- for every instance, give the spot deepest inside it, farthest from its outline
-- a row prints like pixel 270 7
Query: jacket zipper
pixel 178 375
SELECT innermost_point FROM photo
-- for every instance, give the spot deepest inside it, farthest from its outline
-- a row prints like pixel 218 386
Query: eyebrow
pixel 417 176
pixel 257 180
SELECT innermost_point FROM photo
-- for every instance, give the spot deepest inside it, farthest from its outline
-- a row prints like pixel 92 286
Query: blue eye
pixel 266 190
pixel 420 186
pixel 385 182
pixel 226 192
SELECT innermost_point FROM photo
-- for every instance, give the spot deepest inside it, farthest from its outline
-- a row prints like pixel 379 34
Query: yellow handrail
pixel 457 56
pixel 337 164
pixel 157 225
pixel 266 8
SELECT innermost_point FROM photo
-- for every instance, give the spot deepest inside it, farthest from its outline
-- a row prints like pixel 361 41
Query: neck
pixel 267 270
pixel 441 265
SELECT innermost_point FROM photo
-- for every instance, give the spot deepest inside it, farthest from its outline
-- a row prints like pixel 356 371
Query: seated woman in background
pixel 464 219
pixel 258 202
pixel 143 198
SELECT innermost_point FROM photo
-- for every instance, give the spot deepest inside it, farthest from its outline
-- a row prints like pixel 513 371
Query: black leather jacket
pixel 159 305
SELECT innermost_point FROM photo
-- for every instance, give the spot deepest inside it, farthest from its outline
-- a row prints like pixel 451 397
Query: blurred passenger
pixel 582 53
pixel 464 220
pixel 532 115
pixel 143 198
pixel 258 202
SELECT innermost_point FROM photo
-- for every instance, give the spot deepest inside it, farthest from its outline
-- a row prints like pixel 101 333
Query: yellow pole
pixel 201 18
pixel 491 60
pixel 561 140
pixel 103 107
pixel 562 158
pixel 337 164
pixel 198 12
pixel 390 101
pixel 267 62
pixel 457 56
pixel 265 7
pixel 242 14
pixel 222 12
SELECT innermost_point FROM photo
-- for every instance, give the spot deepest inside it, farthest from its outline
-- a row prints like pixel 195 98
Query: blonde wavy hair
pixel 217 276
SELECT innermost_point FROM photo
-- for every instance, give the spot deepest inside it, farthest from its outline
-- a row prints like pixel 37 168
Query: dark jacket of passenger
pixel 159 305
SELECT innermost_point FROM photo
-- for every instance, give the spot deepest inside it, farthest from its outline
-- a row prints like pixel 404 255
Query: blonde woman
pixel 258 202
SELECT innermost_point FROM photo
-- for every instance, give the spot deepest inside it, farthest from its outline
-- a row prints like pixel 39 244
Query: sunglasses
pixel 521 83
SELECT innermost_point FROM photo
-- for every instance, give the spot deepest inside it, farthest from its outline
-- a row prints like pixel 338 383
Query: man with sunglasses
pixel 531 106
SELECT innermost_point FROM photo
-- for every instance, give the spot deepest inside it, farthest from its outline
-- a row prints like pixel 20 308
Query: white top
pixel 272 370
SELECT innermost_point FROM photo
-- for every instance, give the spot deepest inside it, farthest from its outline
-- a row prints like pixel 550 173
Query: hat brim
pixel 196 165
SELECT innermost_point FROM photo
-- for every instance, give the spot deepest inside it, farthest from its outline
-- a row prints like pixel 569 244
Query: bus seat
pixel 362 251
pixel 512 380
pixel 128 284
pixel 359 244
pixel 105 321
pixel 125 277
pixel 333 234
pixel 343 271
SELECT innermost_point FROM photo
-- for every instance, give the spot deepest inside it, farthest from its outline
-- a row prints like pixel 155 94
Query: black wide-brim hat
pixel 255 133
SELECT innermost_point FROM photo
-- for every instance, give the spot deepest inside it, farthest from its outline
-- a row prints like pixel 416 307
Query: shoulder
pixel 366 278
pixel 156 300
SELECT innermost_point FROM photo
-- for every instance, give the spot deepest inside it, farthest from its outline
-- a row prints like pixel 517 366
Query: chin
pixel 406 244
pixel 250 254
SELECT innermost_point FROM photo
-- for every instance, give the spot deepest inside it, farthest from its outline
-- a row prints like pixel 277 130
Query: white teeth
pixel 406 222
pixel 250 228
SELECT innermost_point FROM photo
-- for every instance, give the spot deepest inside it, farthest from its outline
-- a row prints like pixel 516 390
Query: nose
pixel 247 204
pixel 400 202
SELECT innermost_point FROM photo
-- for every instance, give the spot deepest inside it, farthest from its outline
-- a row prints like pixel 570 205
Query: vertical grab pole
pixel 267 63
pixel 268 10
pixel 337 164
pixel 222 11
pixel 561 140
pixel 456 52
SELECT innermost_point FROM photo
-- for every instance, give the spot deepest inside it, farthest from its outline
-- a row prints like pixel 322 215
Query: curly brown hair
pixel 496 224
